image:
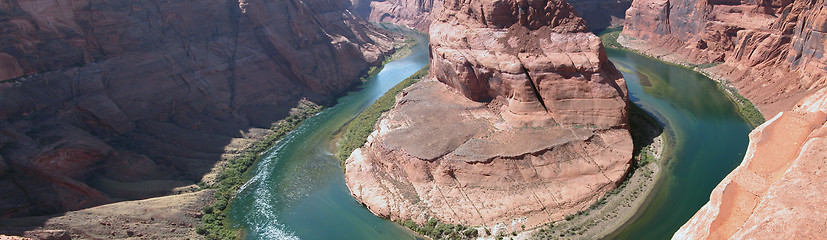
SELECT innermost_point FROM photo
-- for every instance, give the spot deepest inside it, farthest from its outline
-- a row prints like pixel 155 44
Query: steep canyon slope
pixel 108 100
pixel 771 51
pixel 523 121
pixel 778 191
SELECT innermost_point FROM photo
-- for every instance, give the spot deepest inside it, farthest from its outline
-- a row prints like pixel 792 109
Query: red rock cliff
pixel 778 191
pixel 522 122
pixel 772 51
pixel 142 91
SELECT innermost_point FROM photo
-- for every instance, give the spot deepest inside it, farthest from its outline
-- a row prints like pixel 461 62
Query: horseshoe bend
pixel 412 119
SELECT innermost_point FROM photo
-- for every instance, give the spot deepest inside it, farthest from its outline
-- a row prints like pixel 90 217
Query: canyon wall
pixel 601 14
pixel 522 121
pixel 415 14
pixel 778 191
pixel 108 100
pixel 771 51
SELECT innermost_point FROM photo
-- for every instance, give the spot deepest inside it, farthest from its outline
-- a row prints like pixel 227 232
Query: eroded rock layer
pixel 438 154
pixel 772 51
pixel 537 56
pixel 522 122
pixel 778 191
pixel 109 100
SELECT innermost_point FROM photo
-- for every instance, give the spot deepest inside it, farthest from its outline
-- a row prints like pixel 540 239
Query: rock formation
pixel 778 191
pixel 143 96
pixel 771 51
pixel 522 122
pixel 415 14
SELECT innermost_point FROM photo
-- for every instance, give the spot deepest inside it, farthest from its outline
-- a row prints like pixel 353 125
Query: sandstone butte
pixel 522 121
pixel 103 101
pixel 771 51
pixel 778 191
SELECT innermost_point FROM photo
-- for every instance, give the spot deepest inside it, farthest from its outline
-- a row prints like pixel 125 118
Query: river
pixel 710 139
pixel 297 190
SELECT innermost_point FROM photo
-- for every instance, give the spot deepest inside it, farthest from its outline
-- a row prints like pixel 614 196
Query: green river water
pixel 297 190
pixel 710 140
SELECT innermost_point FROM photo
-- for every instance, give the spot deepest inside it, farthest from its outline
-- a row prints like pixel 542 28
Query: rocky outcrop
pixel 522 122
pixel 415 14
pixel 119 95
pixel 772 51
pixel 779 188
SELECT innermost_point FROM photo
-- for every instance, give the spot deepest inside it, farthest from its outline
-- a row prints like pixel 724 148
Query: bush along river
pixel 297 189
pixel 709 140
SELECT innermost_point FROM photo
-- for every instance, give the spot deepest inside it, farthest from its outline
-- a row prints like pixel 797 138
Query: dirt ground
pixel 168 217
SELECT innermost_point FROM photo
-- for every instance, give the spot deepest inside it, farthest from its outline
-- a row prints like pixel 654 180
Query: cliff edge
pixel 778 190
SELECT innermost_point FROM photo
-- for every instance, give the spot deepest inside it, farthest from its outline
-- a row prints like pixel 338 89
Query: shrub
pixel 438 230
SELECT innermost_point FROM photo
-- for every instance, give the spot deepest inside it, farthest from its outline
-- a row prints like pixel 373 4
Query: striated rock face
pixel 537 56
pixel 522 122
pixel 779 188
pixel 415 14
pixel 123 94
pixel 772 51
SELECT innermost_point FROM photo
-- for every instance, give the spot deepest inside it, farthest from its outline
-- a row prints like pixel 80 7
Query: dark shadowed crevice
pixel 534 88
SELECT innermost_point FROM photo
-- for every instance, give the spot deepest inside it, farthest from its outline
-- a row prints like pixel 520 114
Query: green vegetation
pixel 609 37
pixel 748 112
pixel 438 230
pixel 644 128
pixel 358 130
pixel 705 65
pixel 231 178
